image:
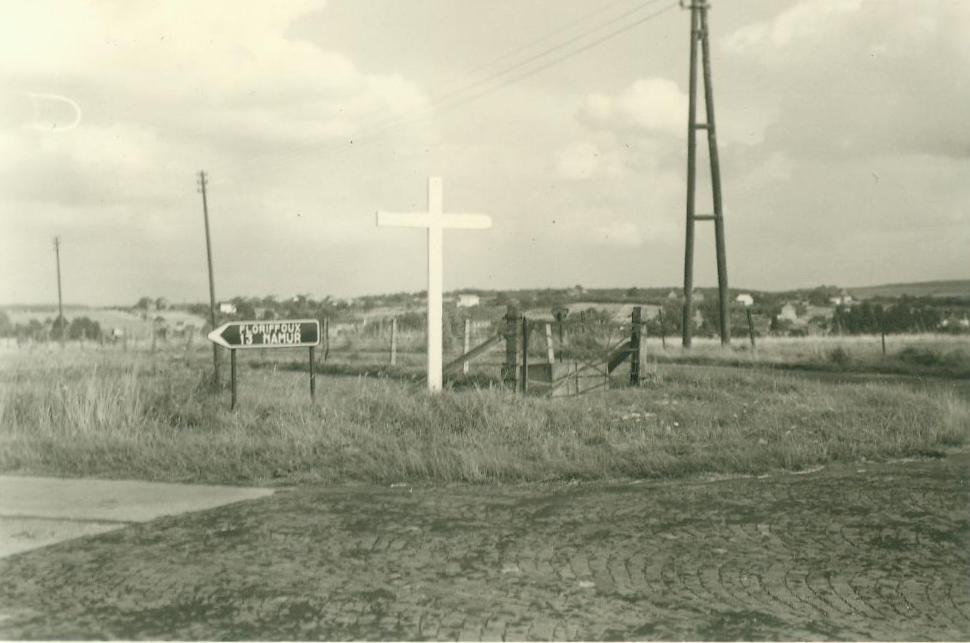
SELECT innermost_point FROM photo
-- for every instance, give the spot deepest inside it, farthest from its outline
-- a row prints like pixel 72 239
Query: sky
pixel 842 131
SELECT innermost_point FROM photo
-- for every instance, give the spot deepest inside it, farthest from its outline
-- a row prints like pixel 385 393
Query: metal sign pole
pixel 313 377
pixel 232 370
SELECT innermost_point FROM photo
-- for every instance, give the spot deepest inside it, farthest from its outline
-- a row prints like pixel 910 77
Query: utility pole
pixel 60 302
pixel 699 34
pixel 212 287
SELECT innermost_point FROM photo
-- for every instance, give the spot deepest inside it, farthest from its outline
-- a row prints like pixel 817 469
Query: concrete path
pixel 36 512
pixel 846 553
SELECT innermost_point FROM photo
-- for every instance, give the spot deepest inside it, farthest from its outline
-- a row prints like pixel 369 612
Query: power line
pixel 453 99
pixel 444 98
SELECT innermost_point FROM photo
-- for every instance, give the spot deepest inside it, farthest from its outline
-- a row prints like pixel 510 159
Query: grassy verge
pixel 943 356
pixel 156 418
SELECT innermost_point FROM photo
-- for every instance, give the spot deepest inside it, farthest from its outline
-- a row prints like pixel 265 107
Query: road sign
pixel 278 333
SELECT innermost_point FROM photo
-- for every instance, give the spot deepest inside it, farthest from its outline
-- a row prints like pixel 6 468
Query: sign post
pixel 281 333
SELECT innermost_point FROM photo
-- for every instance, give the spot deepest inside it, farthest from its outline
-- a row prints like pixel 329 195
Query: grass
pixel 134 415
pixel 930 355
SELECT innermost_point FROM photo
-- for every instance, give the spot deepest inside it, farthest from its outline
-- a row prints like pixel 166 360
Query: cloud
pixel 224 83
pixel 814 19
pixel 861 78
pixel 654 105
pixel 586 160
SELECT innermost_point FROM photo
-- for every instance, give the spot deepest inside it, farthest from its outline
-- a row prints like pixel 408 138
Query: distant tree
pixel 244 308
pixel 84 328
pixel 6 327
pixel 58 327
pixel 821 295
pixel 144 303
pixel 35 330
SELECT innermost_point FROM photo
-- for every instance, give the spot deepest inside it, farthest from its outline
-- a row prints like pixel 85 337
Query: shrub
pixel 839 356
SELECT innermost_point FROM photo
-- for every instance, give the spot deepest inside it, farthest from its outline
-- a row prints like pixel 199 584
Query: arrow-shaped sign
pixel 278 333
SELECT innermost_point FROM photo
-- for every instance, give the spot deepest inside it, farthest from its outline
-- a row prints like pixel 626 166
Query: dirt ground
pixel 853 552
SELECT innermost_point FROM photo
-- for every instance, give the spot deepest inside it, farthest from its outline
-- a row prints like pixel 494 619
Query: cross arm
pixel 404 219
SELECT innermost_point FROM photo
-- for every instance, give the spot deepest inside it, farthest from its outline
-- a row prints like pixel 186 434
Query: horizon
pixel 564 120
pixel 473 289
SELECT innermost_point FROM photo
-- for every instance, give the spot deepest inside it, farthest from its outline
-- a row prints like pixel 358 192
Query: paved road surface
pixel 857 552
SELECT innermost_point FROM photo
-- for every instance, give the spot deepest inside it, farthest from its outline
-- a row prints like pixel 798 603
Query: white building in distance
pixel 468 300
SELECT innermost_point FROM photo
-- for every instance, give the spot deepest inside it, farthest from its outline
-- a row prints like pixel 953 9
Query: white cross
pixel 435 221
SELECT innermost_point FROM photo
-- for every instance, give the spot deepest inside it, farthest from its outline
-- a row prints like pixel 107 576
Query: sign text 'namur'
pixel 278 333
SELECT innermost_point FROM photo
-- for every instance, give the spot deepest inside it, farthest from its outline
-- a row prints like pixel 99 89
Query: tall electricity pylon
pixel 699 35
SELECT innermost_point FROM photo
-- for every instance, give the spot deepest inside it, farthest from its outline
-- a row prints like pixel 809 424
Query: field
pixel 917 355
pixel 155 416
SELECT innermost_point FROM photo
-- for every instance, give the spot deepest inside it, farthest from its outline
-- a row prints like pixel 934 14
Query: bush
pixel 839 356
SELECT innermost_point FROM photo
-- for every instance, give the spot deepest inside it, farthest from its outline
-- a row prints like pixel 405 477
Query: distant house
pixel 788 312
pixel 468 300
pixel 227 308
pixel 746 299
pixel 673 295
pixel 844 299
pixel 955 322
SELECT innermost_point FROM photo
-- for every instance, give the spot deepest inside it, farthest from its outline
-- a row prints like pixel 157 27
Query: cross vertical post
pixel 434 221
pixel 435 268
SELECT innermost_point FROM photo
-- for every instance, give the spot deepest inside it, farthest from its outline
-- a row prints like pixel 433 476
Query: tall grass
pixel 132 416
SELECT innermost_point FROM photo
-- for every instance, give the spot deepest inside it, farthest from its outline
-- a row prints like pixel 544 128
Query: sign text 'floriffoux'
pixel 268 334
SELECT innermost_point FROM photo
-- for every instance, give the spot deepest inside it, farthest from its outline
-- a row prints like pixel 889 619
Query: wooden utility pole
pixel 212 288
pixel 60 301
pixel 699 35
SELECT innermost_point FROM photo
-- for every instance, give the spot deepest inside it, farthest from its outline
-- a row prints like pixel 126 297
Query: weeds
pixel 125 416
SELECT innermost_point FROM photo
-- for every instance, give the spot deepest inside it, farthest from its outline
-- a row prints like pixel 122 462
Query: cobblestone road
pixel 867 551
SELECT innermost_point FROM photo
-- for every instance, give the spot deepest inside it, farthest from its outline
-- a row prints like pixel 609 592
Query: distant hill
pixel 134 325
pixel 952 288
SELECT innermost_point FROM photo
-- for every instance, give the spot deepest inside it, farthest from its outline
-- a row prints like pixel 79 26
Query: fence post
pixel 525 354
pixel 550 351
pixel 468 344
pixel 883 332
pixel 635 329
pixel 663 329
pixel 393 341
pixel 510 370
pixel 326 338
pixel 560 317
pixel 747 313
